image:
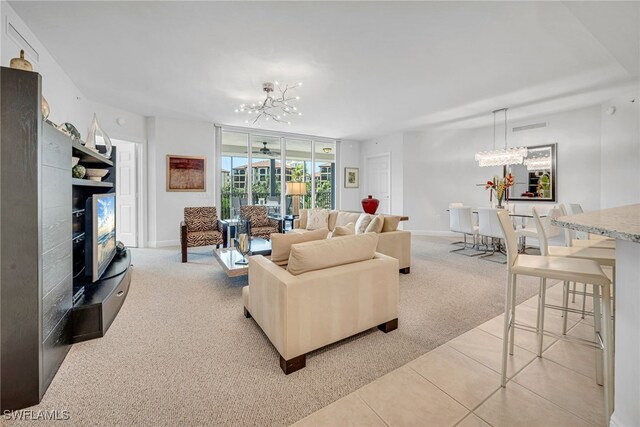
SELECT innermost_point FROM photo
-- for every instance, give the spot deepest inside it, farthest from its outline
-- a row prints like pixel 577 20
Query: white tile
pixel 487 349
pixel 348 411
pixel 464 379
pixel 472 421
pixel 404 398
pixel 515 406
pixel 566 388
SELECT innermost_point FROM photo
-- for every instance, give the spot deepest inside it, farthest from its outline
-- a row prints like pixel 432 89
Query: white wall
pixel 439 165
pixel 620 155
pixel 166 209
pixel 66 101
pixel 349 157
pixel 392 144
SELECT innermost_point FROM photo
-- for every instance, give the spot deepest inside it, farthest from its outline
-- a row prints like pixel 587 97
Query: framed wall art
pixel 186 173
pixel 351 177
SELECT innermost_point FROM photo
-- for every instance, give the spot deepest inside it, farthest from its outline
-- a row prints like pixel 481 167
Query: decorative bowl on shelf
pixel 74 161
pixel 96 174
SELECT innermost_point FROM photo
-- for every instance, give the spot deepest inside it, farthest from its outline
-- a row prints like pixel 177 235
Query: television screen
pixel 101 243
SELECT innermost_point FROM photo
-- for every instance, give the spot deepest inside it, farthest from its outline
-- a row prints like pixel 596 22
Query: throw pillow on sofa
pixel 312 256
pixel 318 219
pixel 363 222
pixel 390 223
pixel 344 230
pixel 281 243
pixel 375 226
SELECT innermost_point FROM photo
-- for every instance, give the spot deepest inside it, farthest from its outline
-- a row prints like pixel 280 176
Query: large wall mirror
pixel 536 179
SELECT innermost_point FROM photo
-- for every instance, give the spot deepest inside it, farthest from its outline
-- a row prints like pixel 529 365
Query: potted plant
pixel 500 186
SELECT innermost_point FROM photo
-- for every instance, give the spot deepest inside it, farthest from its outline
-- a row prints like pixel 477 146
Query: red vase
pixel 370 205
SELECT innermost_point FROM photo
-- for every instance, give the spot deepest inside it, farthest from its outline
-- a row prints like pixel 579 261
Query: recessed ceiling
pixel 368 68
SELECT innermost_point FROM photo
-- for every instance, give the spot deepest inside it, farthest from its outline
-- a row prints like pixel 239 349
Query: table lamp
pixel 296 189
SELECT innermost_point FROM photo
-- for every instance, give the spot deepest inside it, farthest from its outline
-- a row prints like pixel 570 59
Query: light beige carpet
pixel 181 352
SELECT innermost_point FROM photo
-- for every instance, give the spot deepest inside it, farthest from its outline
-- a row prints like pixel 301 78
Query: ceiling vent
pixel 529 127
pixel 29 51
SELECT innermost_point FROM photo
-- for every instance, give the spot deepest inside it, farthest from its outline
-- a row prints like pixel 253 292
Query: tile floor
pixel 458 383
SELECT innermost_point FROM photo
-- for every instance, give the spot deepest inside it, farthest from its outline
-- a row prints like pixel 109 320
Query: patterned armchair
pixel 200 228
pixel 260 223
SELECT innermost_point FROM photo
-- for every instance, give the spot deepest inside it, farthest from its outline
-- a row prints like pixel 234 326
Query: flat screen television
pixel 100 237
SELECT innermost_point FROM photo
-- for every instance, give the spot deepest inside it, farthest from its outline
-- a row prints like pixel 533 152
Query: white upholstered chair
pixel 489 228
pixel 461 221
pixel 453 221
pixel 555 268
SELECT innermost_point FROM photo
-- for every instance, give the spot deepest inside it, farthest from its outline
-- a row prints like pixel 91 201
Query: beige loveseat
pixel 392 242
pixel 331 289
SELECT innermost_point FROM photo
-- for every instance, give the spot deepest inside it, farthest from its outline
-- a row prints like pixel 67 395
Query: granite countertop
pixel 618 223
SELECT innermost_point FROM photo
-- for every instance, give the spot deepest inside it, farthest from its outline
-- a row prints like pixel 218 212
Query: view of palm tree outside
pixel 261 182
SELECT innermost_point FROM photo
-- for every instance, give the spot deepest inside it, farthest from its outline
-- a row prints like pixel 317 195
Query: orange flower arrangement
pixel 501 187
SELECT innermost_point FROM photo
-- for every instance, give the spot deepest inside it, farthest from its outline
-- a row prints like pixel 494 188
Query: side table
pixel 229 227
pixel 288 219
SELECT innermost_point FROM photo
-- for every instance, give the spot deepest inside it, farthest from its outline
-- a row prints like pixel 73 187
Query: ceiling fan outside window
pixel 265 151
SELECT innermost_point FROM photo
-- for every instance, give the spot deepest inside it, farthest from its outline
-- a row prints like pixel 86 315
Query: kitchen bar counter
pixel 622 224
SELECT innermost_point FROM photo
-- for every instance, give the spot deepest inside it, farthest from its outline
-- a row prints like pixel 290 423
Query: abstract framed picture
pixel 186 173
pixel 351 178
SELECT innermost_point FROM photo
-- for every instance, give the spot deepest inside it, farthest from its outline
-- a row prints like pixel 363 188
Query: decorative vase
pixel 92 137
pixel 24 65
pixel 79 171
pixel 70 130
pixel 370 204
pixel 21 63
pixel 44 107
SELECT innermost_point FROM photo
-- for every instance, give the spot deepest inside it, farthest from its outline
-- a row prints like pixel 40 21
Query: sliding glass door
pixel 233 174
pixel 284 173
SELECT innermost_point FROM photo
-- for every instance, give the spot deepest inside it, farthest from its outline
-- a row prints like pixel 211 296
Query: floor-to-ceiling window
pixel 234 176
pixel 266 159
pixel 324 170
pixel 284 173
pixel 298 188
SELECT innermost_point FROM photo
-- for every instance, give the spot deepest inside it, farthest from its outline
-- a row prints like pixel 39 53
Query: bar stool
pixel 604 258
pixel 555 268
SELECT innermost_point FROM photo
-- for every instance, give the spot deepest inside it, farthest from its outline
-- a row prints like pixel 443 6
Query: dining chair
pixel 547 267
pixel 461 221
pixel 452 219
pixel 489 227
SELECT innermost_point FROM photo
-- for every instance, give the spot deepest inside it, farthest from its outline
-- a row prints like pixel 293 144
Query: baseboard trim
pixel 435 233
pixel 163 243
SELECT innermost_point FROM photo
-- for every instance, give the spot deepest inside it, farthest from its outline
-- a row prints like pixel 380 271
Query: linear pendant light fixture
pixel 504 157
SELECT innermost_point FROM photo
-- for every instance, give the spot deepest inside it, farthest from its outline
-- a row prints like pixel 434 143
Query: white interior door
pixel 378 181
pixel 126 194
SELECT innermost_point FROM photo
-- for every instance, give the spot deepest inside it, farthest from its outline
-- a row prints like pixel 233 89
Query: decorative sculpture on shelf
pixel 96 130
pixel 70 130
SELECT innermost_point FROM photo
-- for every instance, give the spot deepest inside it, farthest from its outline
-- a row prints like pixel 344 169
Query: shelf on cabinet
pixel 89 156
pixel 90 183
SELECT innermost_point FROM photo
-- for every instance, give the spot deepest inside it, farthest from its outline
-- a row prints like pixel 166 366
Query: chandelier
pixel 277 107
pixel 538 163
pixel 501 157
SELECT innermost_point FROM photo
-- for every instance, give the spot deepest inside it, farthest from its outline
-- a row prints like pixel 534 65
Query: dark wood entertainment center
pixel 47 302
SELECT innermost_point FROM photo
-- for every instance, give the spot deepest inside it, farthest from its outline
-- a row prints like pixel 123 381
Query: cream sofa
pixel 396 243
pixel 331 289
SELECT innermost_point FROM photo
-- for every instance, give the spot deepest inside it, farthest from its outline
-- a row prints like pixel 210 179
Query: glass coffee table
pixel 228 257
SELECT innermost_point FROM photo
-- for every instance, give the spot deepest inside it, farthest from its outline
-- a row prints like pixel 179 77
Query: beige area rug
pixel 181 352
